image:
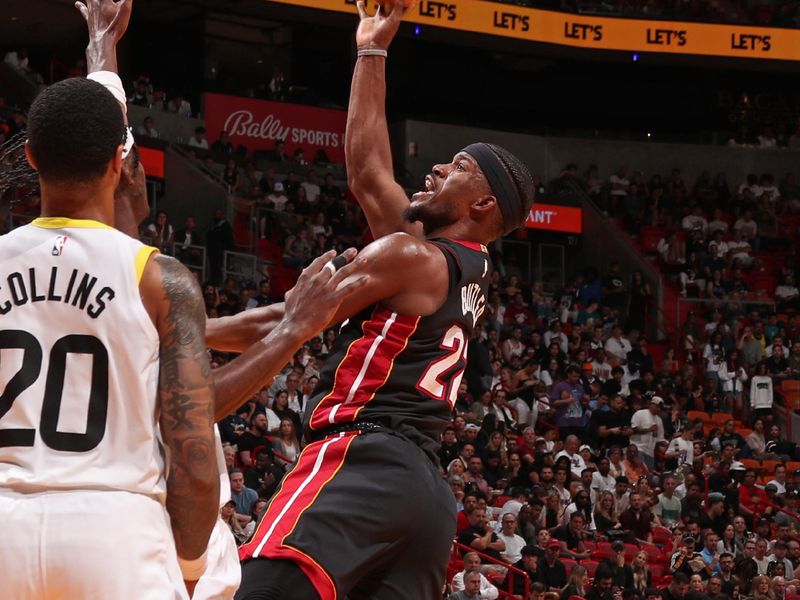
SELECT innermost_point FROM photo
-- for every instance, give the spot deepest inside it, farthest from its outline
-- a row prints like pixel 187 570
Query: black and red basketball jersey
pixel 403 371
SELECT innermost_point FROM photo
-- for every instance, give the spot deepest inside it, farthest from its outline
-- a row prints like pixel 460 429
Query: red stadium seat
pixel 662 535
pixel 631 550
pixel 568 564
pixel 590 566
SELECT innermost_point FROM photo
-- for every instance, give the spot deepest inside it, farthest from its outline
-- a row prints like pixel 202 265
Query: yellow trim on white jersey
pixel 141 260
pixel 66 222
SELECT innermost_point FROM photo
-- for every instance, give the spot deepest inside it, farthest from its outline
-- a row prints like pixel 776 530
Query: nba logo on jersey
pixel 58 245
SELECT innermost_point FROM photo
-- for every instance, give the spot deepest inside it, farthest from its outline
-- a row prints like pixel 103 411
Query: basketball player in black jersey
pixel 365 513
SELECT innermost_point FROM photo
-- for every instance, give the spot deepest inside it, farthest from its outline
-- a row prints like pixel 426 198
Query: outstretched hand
pixel 316 297
pixel 378 31
pixel 107 19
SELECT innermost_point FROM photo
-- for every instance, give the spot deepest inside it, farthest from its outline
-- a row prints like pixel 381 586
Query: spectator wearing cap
pixel 472 562
pixel 648 429
pixel 277 197
pixel 551 571
pixel 529 564
pixel 714 516
pixel 621 572
pixel 686 560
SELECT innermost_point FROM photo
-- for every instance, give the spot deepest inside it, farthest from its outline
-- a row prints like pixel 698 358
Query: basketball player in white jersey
pixel 101 344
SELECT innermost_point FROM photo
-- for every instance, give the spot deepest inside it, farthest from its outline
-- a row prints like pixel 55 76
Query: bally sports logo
pixel 257 124
pixel 244 123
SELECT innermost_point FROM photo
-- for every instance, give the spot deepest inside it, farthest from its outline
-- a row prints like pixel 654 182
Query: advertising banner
pixel 553 217
pixel 588 31
pixel 257 124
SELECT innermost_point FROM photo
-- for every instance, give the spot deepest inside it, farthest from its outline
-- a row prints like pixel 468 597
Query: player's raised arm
pixel 107 21
pixel 370 174
pixel 186 402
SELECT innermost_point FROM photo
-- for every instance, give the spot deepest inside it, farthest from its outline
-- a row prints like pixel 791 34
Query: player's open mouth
pixel 428 192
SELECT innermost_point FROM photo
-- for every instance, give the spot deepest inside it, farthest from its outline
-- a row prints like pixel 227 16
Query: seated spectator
pixel 552 573
pixel 198 140
pixel 480 535
pixel 512 541
pixel 642 577
pixel 228 515
pixel 147 128
pixel 222 149
pixel 243 497
pixel 472 587
pixel 256 435
pixel 571 536
pixel 616 565
pixel 577 584
pixel 787 295
pixel 677 588
pixel 603 587
pixel 472 563
pixel 179 106
pixel 529 564
pixel 161 233
pixel 264 476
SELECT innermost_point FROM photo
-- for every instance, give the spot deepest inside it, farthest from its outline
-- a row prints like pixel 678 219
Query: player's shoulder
pixel 401 248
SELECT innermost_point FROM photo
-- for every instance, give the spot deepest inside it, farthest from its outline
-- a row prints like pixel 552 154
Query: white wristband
pixel 113 84
pixel 373 52
pixel 193 569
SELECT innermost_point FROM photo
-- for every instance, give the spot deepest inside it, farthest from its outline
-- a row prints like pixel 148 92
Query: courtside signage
pixel 606 33
pixel 257 124
pixel 553 217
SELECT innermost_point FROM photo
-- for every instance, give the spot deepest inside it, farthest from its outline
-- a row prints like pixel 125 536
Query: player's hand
pixel 378 31
pixel 313 302
pixel 107 19
pixel 130 198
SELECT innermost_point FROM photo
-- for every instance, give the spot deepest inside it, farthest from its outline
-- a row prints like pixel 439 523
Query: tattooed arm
pixel 186 401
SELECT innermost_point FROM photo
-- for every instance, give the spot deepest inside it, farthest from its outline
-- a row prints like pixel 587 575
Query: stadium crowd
pixel 581 454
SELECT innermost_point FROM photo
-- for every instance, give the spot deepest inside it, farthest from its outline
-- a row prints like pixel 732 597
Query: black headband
pixel 500 182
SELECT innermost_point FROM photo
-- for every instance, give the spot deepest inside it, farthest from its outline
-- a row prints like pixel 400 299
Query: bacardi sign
pixel 258 124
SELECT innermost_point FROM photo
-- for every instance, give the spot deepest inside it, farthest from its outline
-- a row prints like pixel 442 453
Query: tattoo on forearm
pixel 186 400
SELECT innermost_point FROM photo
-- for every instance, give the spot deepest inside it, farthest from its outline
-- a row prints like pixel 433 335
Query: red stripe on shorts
pixel 316 466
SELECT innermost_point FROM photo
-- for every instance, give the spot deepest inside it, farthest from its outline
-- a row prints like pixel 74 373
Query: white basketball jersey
pixel 79 359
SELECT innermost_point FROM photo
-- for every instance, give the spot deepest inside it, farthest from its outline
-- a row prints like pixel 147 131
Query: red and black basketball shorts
pixel 363 515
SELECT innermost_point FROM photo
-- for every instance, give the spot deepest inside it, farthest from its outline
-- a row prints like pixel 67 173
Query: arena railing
pixel 486 559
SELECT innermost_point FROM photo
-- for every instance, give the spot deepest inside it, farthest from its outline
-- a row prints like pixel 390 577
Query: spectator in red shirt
pixel 752 499
pixel 518 314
